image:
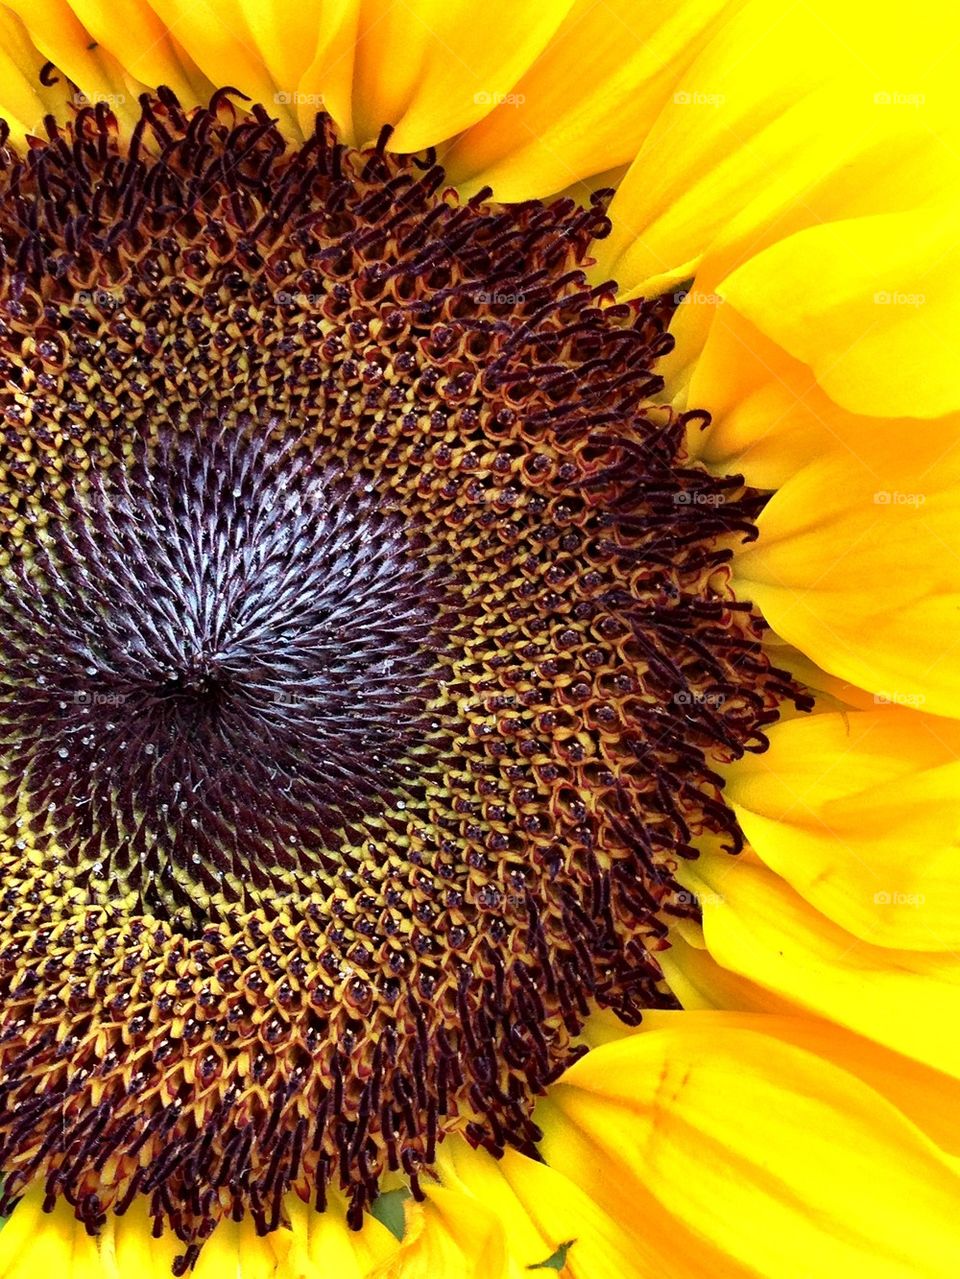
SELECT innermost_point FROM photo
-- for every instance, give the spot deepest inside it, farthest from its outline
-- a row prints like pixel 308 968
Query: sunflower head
pixel 368 653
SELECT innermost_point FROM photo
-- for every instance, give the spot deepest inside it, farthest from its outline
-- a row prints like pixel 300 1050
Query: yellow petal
pixel 777 117
pixel 700 983
pixel 323 1244
pixel 661 1243
pixel 34 1243
pixel 24 101
pixel 756 925
pixel 597 1246
pixel 928 1098
pixel 451 1235
pixel 21 1230
pixel 857 567
pixel 895 161
pixel 602 1027
pixel 434 67
pixel 834 804
pixel 878 327
pixel 136 1251
pixel 831 694
pixel 285 35
pixel 588 101
pixel 236 1251
pixel 543 1213
pixel 327 81
pixel 478 1174
pixel 133 33
pixel 769 417
pixel 62 39
pixel 776 1158
pixel 583 189
pixel 238 44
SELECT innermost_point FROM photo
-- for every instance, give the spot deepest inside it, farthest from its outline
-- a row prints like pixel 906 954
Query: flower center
pixel 367 651
pixel 218 657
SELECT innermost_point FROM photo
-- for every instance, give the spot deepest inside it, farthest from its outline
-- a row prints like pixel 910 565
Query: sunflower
pixel 478 659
